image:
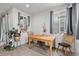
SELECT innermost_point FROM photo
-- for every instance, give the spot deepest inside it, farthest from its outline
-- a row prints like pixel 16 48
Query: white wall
pixel 38 20
pixel 10 18
pixel 15 16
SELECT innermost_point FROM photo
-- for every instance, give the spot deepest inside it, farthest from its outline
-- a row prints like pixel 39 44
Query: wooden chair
pixel 66 43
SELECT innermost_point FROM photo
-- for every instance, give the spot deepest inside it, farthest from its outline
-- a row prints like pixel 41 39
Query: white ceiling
pixel 34 7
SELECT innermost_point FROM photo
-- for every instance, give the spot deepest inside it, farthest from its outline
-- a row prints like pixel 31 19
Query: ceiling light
pixel 27 5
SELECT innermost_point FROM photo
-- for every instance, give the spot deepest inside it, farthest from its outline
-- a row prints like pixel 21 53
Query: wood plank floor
pixel 25 51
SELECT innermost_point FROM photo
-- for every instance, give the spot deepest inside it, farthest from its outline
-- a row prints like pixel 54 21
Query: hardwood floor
pixel 34 51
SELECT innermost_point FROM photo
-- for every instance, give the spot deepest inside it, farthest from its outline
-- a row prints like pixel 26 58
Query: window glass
pixel 59 22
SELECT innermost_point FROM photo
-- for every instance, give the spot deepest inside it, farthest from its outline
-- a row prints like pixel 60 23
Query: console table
pixel 43 38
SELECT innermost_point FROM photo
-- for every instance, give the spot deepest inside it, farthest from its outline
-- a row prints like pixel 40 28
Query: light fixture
pixel 27 5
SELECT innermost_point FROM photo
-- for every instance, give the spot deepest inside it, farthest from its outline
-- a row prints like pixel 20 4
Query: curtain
pixel 51 29
pixel 0 27
pixel 77 36
pixel 74 18
pixel 5 28
pixel 18 18
pixel 69 28
pixel 28 20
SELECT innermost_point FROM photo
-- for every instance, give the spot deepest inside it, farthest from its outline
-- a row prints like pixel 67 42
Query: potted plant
pixel 11 34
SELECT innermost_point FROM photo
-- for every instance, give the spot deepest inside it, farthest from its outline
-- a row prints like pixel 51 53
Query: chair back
pixel 69 38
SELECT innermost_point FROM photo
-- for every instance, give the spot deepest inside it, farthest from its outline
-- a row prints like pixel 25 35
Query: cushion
pixel 64 44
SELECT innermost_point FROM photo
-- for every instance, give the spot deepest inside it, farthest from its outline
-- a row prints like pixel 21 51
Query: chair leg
pixel 63 48
pixel 70 50
pixel 58 48
pixel 65 51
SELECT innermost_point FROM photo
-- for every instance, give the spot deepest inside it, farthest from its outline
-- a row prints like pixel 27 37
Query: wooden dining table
pixel 50 40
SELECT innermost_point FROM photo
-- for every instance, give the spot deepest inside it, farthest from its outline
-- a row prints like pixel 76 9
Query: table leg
pixel 50 48
pixel 29 43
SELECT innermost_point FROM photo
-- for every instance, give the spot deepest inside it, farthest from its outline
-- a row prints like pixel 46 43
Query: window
pixel 55 24
pixel 62 23
pixel 59 22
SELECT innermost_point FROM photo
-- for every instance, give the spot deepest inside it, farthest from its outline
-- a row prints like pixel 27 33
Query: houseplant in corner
pixel 10 45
